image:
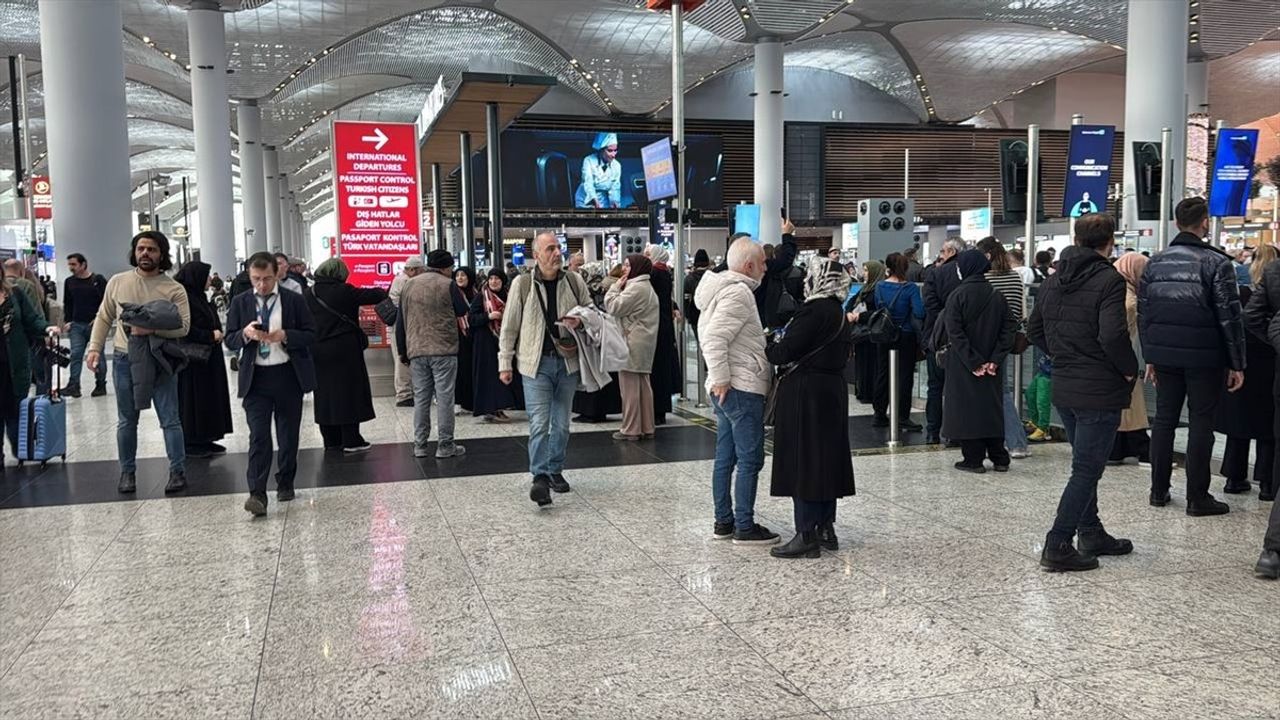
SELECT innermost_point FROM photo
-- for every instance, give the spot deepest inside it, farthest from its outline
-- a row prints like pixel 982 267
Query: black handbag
pixel 387 311
pixel 771 401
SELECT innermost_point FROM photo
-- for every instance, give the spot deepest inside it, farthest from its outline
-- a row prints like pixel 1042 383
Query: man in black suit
pixel 273 332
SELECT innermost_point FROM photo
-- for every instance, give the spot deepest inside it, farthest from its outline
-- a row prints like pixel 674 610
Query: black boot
pixel 804 544
pixel 1237 486
pixel 71 391
pixel 128 483
pixel 1063 557
pixel 1099 542
pixel 1268 565
pixel 99 390
pixel 1267 492
pixel 177 483
pixel 827 537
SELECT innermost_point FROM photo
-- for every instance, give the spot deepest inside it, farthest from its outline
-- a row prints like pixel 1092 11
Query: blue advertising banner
pixel 1088 169
pixel 746 219
pixel 1232 172
pixel 659 171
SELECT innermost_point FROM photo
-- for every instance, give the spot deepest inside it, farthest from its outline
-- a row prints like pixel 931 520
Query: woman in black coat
pixel 811 462
pixel 464 290
pixel 343 398
pixel 1247 414
pixel 492 397
pixel 203 398
pixel 979 336
pixel 866 360
pixel 666 375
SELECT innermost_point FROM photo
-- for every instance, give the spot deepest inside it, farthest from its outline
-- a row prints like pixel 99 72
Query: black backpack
pixel 882 329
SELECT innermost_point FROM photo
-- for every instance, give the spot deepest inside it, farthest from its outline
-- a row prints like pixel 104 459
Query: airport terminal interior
pixel 226 221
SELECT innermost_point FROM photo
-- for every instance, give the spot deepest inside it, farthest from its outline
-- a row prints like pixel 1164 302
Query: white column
pixel 1155 91
pixel 768 138
pixel 249 129
pixel 271 194
pixel 286 219
pixel 211 118
pixel 83 64
pixel 1197 86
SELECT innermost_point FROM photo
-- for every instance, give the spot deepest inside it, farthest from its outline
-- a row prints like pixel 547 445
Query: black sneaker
pixel 559 484
pixel 98 391
pixel 757 535
pixel 1160 498
pixel 1100 543
pixel 361 447
pixel 1063 557
pixel 215 448
pixel 1237 487
pixel 198 451
pixel 128 483
pixel 541 490
pixel 910 426
pixel 177 483
pixel 71 391
pixel 256 505
pixel 880 421
pixel 1268 565
pixel 1000 468
pixel 285 494
pixel 723 531
pixel 977 469
pixel 1208 506
pixel 407 402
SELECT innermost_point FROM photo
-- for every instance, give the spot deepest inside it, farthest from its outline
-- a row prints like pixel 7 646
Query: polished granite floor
pixel 396 589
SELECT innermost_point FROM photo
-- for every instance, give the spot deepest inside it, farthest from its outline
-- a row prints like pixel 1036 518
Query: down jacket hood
pixel 1077 266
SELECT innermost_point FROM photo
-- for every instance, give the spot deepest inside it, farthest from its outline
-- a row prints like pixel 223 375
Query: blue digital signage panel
pixel 1232 172
pixel 1088 169
pixel 659 171
pixel 746 219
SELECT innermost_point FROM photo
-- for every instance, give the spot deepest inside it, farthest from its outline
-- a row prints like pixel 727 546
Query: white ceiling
pixel 305 60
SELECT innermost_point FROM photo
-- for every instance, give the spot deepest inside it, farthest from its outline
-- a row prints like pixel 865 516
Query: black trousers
pixel 812 514
pixel 933 405
pixel 341 436
pixel 906 347
pixel 1201 389
pixel 975 450
pixel 275 392
pixel 1235 460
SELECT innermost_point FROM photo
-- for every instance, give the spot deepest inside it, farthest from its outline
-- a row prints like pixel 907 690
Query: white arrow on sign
pixel 378 137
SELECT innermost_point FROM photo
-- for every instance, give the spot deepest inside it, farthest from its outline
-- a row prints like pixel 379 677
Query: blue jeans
pixel 740 442
pixel 165 400
pixel 80 332
pixel 1090 433
pixel 1015 435
pixel 548 398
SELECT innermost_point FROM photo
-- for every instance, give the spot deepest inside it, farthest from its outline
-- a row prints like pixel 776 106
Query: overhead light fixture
pixel 146 39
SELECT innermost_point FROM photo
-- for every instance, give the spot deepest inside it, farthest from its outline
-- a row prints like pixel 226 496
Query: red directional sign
pixel 378 203
pixel 41 197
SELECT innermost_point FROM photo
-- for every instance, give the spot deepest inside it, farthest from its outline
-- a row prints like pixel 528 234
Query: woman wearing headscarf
pixel 866 361
pixel 666 374
pixel 343 399
pixel 1247 414
pixel 596 407
pixel 21 326
pixel 204 401
pixel 979 336
pixel 1132 439
pixel 632 301
pixel 464 290
pixel 1009 284
pixel 492 397
pixel 811 455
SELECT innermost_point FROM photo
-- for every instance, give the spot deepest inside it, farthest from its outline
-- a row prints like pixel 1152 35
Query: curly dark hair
pixel 166 262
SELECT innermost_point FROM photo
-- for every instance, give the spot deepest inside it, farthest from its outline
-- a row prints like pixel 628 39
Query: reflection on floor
pixel 399 589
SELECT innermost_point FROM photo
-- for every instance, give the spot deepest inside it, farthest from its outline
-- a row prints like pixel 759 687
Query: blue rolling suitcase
pixel 42 427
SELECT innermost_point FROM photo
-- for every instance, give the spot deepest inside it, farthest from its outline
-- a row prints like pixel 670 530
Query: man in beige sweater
pixel 146 282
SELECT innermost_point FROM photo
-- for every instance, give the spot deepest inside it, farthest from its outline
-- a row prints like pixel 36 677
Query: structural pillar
pixel 271 196
pixel 1197 86
pixel 207 39
pixel 768 138
pixel 1154 93
pixel 468 200
pixel 437 208
pixel 83 64
pixel 494 145
pixel 252 179
pixel 286 217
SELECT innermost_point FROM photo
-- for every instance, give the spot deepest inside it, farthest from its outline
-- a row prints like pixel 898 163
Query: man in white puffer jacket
pixel 738 376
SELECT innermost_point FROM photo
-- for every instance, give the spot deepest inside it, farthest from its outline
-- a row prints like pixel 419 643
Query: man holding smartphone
pixel 273 332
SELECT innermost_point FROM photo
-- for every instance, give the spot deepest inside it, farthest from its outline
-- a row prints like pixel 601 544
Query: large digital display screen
pixel 1232 172
pixel 1088 169
pixel 975 224
pixel 746 219
pixel 599 171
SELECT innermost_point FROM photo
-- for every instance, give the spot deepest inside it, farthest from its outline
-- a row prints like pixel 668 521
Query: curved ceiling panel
pixel 790 17
pixel 284 116
pixel 1246 86
pixel 1099 19
pixel 625 49
pixel 968 65
pixel 865 56
pixel 19 29
pixel 155 134
pixel 1228 26
pixel 401 104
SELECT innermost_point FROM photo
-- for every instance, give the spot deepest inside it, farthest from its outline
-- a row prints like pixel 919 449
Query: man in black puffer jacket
pixel 1192 330
pixel 1079 320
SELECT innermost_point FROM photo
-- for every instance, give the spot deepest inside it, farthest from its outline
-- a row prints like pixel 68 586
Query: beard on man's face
pixel 146 262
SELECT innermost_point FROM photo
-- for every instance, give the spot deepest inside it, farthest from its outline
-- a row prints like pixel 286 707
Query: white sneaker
pixel 1019 454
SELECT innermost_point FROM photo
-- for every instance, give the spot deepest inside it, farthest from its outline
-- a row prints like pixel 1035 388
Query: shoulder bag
pixel 881 327
pixel 387 311
pixel 771 402
pixel 567 345
pixel 364 339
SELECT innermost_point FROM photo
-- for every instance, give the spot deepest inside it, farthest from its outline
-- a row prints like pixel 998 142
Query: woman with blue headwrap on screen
pixel 601 185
